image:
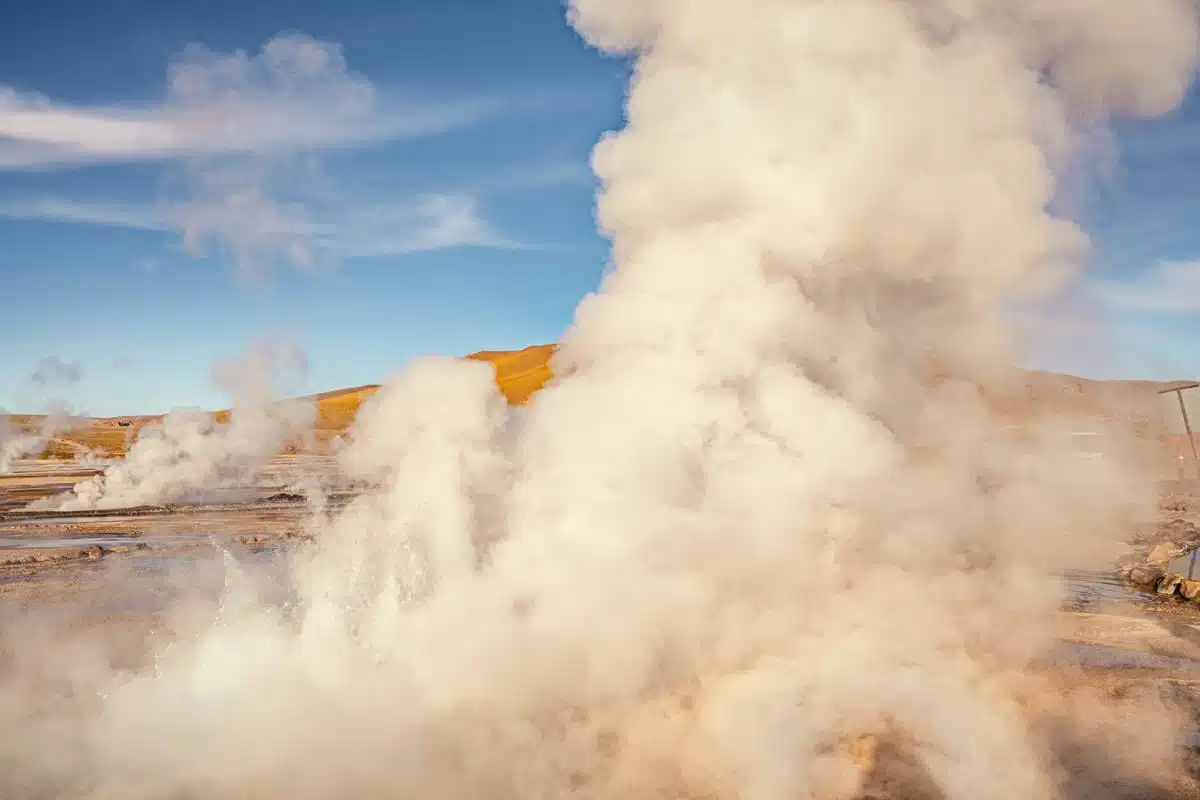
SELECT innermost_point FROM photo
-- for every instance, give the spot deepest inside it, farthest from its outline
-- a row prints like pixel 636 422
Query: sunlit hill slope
pixel 519 373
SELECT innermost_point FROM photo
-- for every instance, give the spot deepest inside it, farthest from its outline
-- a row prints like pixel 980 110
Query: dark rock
pixel 129 548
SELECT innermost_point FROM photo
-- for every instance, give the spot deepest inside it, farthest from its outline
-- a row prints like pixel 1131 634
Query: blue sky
pixel 167 166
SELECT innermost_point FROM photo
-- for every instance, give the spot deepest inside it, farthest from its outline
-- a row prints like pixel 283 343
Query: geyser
pixel 743 547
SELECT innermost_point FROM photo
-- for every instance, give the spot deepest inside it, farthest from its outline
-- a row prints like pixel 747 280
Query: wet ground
pixel 87 558
pixel 44 554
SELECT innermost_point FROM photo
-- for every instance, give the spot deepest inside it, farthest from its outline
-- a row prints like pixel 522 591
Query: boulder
pixel 1161 554
pixel 1189 590
pixel 1145 577
pixel 1168 584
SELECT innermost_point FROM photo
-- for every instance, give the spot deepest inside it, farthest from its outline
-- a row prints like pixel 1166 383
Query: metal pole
pixel 1187 425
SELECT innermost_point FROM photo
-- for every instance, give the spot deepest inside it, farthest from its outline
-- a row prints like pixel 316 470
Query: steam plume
pixel 52 378
pixel 191 452
pixel 746 546
pixel 16 443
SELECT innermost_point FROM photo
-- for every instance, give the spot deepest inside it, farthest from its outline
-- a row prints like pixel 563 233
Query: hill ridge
pixel 521 373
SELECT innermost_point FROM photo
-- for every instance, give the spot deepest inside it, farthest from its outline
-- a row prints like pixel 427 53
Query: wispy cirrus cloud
pixel 242 135
pixel 296 95
pixel 57 209
pixel 1169 287
pixel 258 231
pixel 539 176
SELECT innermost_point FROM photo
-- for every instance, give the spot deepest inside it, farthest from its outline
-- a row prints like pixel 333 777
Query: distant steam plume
pixel 190 452
pixel 52 371
pixel 745 547
pixel 16 443
pixel 50 383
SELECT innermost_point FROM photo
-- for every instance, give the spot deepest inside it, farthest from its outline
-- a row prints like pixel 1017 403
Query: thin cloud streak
pixel 425 223
pixel 1170 287
pixel 432 222
pixel 54 209
pixel 541 176
pixel 296 95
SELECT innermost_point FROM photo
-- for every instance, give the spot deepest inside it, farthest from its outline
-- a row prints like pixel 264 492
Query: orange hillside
pixel 519 373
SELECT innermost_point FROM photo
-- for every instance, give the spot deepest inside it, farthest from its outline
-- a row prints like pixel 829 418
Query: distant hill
pixel 521 373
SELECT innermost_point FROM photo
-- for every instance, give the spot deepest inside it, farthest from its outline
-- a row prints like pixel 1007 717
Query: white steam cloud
pixel 190 453
pixel 16 443
pixel 50 382
pixel 744 547
pixel 52 371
